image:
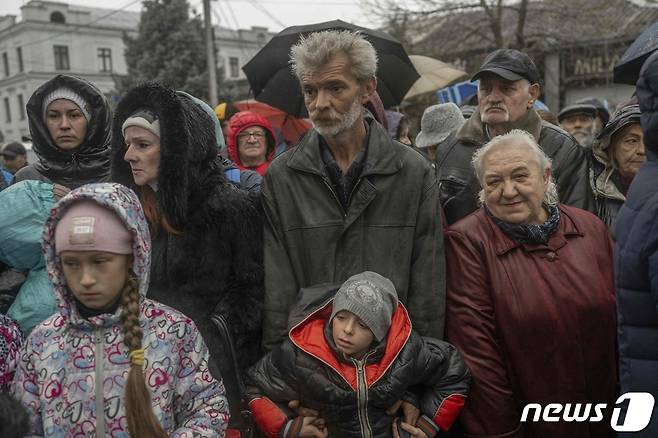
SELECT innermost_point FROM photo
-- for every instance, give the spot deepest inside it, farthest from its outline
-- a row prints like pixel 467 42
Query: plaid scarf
pixel 529 233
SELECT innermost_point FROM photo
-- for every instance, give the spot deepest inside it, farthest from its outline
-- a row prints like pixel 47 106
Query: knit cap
pixel 68 94
pixel 87 226
pixel 371 297
pixel 143 118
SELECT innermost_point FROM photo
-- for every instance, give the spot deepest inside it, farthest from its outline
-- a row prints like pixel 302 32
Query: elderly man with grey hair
pixel 531 302
pixel 348 198
pixel 507 90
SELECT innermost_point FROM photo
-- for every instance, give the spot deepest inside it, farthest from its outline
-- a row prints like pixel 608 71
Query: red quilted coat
pixel 534 323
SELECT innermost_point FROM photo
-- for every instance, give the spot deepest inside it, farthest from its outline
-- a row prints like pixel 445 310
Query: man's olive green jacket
pixel 392 226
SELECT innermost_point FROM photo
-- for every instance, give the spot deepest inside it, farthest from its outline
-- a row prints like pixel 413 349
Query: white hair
pixel 317 49
pixel 516 138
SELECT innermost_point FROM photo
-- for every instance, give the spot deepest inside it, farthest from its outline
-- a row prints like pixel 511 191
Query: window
pixel 57 17
pixel 5 63
pixel 104 60
pixel 19 55
pixel 61 57
pixel 7 111
pixel 21 107
pixel 233 63
pixel 260 38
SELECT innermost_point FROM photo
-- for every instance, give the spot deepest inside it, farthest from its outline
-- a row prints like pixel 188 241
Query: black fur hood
pixel 188 151
pixel 86 164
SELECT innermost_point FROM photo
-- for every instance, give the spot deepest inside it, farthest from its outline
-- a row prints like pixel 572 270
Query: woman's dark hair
pixel 142 422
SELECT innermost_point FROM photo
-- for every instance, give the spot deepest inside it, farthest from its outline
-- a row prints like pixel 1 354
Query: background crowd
pixel 173 270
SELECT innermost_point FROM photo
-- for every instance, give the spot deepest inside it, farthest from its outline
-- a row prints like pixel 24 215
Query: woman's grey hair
pixel 515 138
pixel 316 50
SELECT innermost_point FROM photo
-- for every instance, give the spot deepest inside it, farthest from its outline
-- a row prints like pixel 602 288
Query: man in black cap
pixel 508 87
pixel 579 120
pixel 14 157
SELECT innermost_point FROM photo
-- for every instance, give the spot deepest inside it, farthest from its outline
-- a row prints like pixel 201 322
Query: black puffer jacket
pixel 214 265
pixel 459 187
pixel 353 396
pixel 90 162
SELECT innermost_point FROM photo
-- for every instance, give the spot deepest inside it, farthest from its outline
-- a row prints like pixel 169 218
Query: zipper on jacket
pixel 98 371
pixel 333 192
pixel 362 396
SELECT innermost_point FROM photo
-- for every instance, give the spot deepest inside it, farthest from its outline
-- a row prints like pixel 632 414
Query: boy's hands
pixel 410 413
pixel 310 430
pixel 306 412
pixel 414 432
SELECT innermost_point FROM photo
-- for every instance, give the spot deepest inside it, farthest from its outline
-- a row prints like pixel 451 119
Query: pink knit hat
pixel 87 226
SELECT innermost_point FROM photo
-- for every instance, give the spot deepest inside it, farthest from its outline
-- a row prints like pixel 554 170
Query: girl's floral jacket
pixel 72 369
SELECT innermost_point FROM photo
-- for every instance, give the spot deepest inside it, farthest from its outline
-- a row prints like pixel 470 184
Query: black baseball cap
pixel 12 150
pixel 509 64
pixel 577 109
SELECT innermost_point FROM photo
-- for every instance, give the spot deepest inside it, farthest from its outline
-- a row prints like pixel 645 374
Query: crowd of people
pixel 173 270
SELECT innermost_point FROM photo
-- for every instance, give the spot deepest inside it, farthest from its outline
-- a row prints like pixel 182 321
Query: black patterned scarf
pixel 529 233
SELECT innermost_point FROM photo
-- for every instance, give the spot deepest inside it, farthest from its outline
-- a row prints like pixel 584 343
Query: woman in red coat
pixel 531 303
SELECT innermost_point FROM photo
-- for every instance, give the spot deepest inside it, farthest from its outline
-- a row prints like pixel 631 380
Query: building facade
pixel 58 38
pixel 53 38
pixel 235 48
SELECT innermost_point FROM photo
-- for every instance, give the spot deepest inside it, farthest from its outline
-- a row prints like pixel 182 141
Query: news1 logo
pixel 638 412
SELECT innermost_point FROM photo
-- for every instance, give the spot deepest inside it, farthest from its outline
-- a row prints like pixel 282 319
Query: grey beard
pixel 585 138
pixel 346 121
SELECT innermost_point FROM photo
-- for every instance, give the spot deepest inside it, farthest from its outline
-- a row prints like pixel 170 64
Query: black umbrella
pixel 273 82
pixel 628 67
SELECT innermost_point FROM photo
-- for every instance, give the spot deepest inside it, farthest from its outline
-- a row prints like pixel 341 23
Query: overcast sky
pixel 273 14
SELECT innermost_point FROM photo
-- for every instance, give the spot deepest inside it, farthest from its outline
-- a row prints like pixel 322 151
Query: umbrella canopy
pixel 273 82
pixel 286 127
pixel 434 74
pixel 628 68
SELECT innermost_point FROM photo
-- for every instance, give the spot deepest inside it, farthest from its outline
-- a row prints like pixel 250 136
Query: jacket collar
pixel 308 336
pixel 382 158
pixel 503 244
pixel 474 130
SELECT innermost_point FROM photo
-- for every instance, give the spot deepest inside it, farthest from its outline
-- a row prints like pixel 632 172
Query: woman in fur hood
pixel 207 234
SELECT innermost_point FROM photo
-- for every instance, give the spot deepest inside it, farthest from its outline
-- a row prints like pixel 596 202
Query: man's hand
pixel 413 431
pixel 308 413
pixel 310 430
pixel 410 413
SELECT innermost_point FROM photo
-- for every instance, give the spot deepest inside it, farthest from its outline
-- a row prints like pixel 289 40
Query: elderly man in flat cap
pixel 508 87
pixel 579 120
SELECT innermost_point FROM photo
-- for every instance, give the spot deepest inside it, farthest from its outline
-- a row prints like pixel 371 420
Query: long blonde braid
pixel 142 422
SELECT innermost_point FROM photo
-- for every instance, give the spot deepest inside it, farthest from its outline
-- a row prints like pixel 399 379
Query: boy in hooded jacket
pixel 350 360
pixel 112 362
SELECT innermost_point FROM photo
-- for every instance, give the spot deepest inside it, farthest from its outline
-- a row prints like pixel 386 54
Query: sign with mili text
pixel 594 61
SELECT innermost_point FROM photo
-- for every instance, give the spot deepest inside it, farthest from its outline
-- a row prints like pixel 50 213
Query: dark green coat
pixel 392 226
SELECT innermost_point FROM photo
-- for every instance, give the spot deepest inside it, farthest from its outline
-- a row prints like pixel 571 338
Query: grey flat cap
pixel 578 108
pixel 437 123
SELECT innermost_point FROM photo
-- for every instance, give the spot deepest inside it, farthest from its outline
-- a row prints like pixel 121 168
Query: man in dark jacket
pixel 636 260
pixel 508 87
pixel 349 198
pixel 357 346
